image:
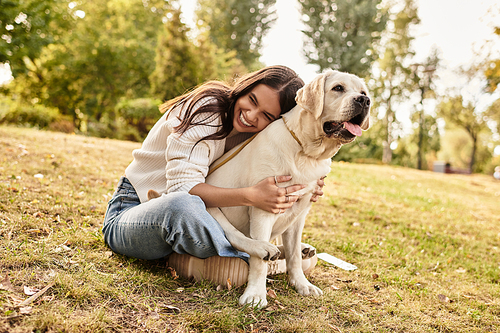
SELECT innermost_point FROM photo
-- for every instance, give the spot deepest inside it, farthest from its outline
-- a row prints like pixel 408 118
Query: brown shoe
pixel 225 271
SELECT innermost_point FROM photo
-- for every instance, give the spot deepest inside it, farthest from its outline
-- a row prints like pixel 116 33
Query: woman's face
pixel 257 109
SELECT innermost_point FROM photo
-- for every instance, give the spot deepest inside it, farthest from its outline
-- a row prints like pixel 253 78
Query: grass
pixel 426 245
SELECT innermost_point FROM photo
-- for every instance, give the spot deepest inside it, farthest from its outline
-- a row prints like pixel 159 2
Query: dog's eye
pixel 338 88
pixel 363 93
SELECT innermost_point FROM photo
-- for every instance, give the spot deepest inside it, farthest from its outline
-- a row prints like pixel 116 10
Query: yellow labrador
pixel 331 111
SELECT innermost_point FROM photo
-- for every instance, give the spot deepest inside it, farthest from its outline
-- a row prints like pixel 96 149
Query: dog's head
pixel 340 104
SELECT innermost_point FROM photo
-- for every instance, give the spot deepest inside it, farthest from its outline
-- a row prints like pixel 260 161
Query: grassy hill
pixel 427 247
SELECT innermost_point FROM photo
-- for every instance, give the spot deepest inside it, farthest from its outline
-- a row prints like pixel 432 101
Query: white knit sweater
pixel 168 162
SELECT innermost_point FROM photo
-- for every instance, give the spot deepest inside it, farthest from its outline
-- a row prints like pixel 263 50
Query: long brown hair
pixel 223 98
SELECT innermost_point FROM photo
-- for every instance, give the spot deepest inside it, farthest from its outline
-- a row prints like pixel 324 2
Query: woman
pixel 198 128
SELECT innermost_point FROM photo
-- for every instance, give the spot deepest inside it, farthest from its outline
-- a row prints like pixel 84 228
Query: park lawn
pixel 427 248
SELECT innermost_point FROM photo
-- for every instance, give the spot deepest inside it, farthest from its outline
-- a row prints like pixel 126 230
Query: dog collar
pixel 292 133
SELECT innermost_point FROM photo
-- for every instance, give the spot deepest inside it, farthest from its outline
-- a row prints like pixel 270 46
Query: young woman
pixel 174 159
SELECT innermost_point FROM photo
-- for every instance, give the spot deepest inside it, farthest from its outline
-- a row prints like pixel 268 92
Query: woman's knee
pixel 182 202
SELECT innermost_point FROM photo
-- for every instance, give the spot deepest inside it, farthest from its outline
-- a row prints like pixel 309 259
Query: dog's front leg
pixel 255 248
pixel 292 246
pixel 261 225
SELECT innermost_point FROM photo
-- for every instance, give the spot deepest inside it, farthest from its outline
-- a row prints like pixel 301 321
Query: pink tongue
pixel 354 129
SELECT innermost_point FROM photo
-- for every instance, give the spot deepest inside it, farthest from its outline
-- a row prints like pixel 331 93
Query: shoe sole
pixel 224 271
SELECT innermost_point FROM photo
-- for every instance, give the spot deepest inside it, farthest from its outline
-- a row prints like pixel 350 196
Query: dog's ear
pixel 311 97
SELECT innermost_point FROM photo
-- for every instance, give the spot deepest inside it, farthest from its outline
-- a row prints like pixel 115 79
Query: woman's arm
pixel 265 195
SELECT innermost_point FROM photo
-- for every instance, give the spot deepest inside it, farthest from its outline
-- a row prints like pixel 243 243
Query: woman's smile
pixel 243 120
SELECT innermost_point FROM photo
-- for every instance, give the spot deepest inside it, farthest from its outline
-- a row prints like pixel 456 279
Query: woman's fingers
pixel 289 190
pixel 281 179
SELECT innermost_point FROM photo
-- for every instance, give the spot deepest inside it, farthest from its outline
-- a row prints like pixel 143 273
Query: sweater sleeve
pixel 188 159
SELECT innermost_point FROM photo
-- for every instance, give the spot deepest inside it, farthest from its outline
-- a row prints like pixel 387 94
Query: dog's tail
pixel 152 194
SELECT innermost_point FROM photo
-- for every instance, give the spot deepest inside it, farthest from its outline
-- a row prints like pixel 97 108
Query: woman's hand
pixel 318 191
pixel 268 196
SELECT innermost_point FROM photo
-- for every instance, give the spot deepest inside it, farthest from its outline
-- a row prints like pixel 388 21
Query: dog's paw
pixel 308 251
pixel 266 251
pixel 306 288
pixel 254 299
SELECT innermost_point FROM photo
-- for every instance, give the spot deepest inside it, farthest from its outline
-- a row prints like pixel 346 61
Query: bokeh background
pixel 102 67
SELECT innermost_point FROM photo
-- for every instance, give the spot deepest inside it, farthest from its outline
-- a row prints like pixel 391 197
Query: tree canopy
pixel 343 34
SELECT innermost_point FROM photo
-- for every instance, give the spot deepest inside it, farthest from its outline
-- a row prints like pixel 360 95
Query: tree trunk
pixel 387 152
pixel 473 153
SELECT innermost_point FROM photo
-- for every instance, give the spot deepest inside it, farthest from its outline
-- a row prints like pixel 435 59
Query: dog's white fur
pixel 274 151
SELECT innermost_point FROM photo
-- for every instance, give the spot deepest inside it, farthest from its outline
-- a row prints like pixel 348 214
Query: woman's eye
pixel 339 88
pixel 252 99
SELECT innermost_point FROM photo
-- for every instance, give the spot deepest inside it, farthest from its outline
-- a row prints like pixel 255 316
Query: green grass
pixel 414 236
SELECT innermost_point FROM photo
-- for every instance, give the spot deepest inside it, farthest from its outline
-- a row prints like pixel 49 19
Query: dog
pixel 331 111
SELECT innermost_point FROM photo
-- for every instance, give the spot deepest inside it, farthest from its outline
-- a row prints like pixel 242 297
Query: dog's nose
pixel 363 100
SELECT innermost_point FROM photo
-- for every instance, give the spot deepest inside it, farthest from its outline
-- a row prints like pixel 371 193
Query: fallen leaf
pixel 271 293
pixel 6 285
pixel 173 273
pixel 334 287
pixel 375 276
pixel 279 304
pixel 35 296
pixel 444 299
pixel 173 309
pixel 180 290
pixel 25 310
pixel 16 300
pixel 461 270
pixel 30 291
pixel 228 284
pixel 219 288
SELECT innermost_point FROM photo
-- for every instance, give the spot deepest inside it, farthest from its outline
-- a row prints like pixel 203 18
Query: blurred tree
pixel 456 148
pixel 423 77
pixel 177 66
pixel 236 25
pixel 407 149
pixel 26 27
pixel 108 53
pixel 454 111
pixel 493 113
pixel 182 63
pixel 392 83
pixel 492 71
pixel 342 34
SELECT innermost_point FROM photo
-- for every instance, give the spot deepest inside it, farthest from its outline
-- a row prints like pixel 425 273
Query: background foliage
pixel 92 66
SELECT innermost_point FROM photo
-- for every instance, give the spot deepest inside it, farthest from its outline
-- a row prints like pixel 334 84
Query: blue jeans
pixel 176 222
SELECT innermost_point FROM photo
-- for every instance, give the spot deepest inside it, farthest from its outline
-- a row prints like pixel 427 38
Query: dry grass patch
pixel 427 248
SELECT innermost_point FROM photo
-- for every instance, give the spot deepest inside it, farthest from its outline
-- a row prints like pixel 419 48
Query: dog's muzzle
pixel 346 130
